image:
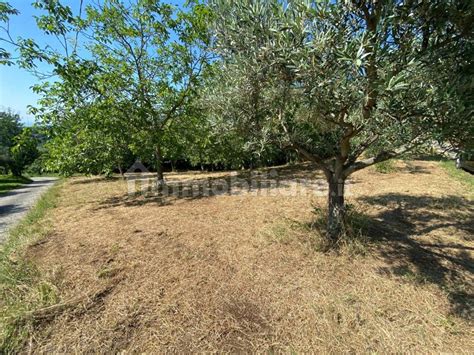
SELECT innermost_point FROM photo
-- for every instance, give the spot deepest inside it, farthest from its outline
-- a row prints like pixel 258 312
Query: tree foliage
pixel 6 10
pixel 130 75
pixel 24 151
pixel 336 80
pixel 10 127
pixel 18 144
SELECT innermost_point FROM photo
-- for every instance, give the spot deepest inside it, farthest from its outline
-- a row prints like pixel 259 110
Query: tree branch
pixel 382 156
pixel 311 157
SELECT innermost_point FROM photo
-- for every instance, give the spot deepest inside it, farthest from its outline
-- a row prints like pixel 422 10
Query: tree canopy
pixel 347 84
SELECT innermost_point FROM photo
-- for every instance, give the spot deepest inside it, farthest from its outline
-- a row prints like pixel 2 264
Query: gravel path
pixel 16 203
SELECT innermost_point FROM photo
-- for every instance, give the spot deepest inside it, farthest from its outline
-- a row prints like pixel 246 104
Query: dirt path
pixel 16 203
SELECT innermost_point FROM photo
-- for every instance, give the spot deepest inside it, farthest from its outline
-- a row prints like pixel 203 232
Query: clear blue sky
pixel 15 83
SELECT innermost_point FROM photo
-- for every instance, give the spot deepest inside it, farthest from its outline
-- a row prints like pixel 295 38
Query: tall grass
pixel 23 289
pixel 354 239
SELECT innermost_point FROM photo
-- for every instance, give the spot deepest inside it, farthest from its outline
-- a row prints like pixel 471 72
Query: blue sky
pixel 15 83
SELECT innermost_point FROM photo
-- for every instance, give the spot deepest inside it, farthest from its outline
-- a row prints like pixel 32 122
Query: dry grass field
pixel 243 272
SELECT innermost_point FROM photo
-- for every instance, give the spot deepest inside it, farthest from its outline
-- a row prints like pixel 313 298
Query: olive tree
pixel 348 77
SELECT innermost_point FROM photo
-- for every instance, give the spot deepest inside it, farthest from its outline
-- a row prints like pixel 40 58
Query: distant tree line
pixel 19 145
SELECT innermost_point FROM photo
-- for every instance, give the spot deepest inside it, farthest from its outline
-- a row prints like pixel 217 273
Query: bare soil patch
pixel 238 273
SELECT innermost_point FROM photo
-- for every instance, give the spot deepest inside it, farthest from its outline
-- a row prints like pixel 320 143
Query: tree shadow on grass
pixel 414 168
pixel 145 191
pixel 445 260
pixel 95 179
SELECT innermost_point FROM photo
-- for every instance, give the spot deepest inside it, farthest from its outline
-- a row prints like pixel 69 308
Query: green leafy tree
pixel 24 151
pixel 89 140
pixel 345 77
pixel 151 54
pixel 144 55
pixel 143 58
pixel 10 127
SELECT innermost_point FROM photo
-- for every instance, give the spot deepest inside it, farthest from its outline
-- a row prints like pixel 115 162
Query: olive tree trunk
pixel 336 210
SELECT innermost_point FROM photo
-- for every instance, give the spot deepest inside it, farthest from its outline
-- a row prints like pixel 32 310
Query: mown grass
pixel 249 267
pixel 464 177
pixel 248 273
pixel 10 182
pixel 23 289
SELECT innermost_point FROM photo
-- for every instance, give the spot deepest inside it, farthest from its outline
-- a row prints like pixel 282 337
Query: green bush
pixel 386 167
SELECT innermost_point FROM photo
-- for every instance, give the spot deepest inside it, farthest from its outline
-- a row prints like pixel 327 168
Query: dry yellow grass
pixel 238 273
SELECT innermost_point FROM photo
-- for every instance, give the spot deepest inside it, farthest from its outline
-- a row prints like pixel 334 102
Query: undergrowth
pixel 386 167
pixel 23 289
pixel 353 241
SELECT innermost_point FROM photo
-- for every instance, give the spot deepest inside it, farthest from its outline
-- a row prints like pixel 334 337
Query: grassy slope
pixel 9 182
pixel 464 177
pixel 23 289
